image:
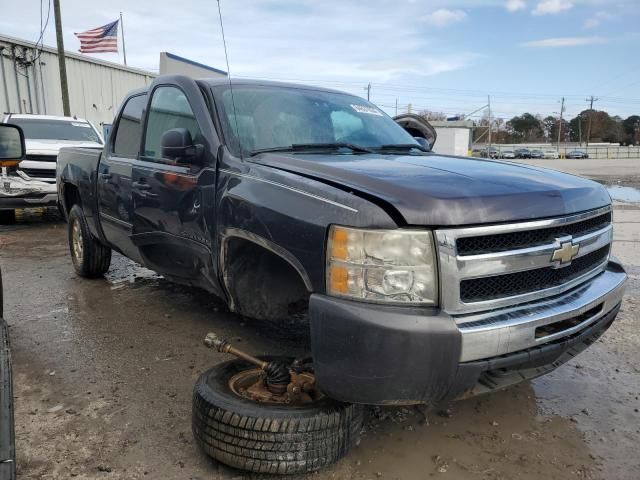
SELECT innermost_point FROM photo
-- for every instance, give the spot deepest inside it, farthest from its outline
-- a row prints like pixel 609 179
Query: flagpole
pixel 124 50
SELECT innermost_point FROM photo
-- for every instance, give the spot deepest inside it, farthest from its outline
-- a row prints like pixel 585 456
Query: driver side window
pixel 169 109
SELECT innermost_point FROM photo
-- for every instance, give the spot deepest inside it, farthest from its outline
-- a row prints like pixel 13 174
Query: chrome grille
pixel 41 158
pixel 478 289
pixel 529 238
pixel 488 267
pixel 40 173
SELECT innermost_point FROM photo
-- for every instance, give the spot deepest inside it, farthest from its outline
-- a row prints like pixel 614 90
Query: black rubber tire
pixel 263 438
pixel 95 258
pixel 7 217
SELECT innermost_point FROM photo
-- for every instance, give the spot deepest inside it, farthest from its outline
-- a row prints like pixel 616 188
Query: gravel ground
pixel 103 373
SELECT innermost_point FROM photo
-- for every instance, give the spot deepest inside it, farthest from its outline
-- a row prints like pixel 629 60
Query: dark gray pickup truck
pixel 423 277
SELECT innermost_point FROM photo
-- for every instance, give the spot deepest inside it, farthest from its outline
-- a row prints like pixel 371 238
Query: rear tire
pixel 7 217
pixel 91 259
pixel 269 438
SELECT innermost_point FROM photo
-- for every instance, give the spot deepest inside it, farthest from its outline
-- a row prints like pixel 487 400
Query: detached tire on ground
pixel 90 258
pixel 269 438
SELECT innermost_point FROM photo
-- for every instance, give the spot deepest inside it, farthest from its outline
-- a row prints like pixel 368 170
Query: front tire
pixel 265 437
pixel 91 259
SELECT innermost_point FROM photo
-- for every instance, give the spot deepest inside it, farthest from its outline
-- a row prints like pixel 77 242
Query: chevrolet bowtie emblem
pixel 565 253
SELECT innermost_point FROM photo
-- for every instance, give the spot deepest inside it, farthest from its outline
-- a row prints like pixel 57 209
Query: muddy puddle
pixel 624 194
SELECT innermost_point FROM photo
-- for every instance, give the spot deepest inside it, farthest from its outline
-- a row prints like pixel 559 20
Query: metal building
pixel 31 82
pixel 176 65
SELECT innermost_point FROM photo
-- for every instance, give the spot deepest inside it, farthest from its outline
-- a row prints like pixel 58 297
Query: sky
pixel 444 56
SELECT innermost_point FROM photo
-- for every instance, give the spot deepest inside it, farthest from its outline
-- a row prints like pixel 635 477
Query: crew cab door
pixel 114 176
pixel 174 195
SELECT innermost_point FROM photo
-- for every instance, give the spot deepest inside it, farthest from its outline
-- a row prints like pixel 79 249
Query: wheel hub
pixel 252 385
pixel 76 240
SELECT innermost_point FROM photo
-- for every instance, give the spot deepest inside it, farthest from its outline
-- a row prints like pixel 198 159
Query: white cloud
pixel 515 5
pixel 564 42
pixel 550 7
pixel 443 17
pixel 597 19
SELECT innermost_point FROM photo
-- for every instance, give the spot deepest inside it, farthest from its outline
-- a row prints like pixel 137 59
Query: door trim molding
pixel 115 220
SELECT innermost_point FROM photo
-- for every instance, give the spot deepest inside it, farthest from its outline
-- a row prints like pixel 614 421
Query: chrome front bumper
pixel 20 185
pixel 499 332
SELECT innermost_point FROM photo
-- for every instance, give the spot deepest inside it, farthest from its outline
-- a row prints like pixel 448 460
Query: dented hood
pixel 435 190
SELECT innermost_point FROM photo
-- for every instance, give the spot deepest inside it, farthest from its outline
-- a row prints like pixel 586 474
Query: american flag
pixel 99 40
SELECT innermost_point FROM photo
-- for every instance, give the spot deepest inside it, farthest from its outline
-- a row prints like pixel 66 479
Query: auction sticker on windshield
pixel 365 109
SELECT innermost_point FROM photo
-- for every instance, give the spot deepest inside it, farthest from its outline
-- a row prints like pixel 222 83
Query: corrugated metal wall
pixel 96 88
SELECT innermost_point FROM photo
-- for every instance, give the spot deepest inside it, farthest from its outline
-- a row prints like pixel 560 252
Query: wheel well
pixel 262 284
pixel 71 196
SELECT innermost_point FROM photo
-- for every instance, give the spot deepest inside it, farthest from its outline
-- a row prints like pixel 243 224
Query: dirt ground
pixel 104 369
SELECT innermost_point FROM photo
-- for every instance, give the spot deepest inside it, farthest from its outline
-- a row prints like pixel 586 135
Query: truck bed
pixel 76 174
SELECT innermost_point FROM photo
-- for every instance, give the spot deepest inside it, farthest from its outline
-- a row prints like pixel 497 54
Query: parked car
pixel 551 154
pixel 522 153
pixel 489 153
pixel 33 183
pixel 507 154
pixel 536 154
pixel 576 154
pixel 300 202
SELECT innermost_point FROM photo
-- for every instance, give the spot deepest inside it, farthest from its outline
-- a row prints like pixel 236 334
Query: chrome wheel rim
pixel 76 241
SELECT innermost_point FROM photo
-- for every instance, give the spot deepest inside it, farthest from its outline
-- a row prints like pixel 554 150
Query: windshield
pixel 272 117
pixel 41 129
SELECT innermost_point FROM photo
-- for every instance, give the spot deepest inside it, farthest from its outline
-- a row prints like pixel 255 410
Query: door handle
pixel 141 186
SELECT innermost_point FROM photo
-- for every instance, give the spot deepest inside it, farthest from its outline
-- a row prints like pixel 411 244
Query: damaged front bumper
pixel 19 191
pixel 389 355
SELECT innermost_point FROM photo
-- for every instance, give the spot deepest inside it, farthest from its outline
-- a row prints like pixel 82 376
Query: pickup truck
pixel 33 183
pixel 423 278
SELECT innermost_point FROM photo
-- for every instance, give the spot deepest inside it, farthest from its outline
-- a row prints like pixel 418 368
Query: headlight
pixel 391 266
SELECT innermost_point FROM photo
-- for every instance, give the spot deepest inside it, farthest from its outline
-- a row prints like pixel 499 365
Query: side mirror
pixel 12 148
pixel 423 142
pixel 177 144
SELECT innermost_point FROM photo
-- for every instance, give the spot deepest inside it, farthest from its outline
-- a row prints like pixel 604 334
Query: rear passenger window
pixel 129 131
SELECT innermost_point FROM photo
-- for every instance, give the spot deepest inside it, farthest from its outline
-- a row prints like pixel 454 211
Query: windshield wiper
pixel 302 147
pixel 404 147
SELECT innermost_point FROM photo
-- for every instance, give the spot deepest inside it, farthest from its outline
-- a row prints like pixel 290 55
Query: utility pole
pixel 368 89
pixel 396 106
pixel 580 129
pixel 61 60
pixel 409 108
pixel 489 139
pixel 560 124
pixel 590 100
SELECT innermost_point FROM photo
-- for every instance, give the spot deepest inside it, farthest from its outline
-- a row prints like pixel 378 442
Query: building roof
pixel 452 124
pixel 195 64
pixel 77 56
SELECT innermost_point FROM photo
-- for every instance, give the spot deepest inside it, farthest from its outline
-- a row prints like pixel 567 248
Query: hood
pixel 52 147
pixel 435 190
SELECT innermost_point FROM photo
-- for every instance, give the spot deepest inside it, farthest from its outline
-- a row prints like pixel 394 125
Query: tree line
pixel 588 126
